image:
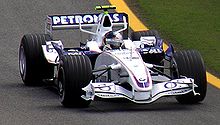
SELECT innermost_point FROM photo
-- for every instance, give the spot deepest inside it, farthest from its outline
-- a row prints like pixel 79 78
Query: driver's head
pixel 113 39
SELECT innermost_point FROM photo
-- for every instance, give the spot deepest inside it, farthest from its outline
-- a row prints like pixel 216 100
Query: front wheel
pixel 75 72
pixel 33 65
pixel 190 64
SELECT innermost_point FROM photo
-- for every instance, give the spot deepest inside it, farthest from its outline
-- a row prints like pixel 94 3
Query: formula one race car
pixel 111 64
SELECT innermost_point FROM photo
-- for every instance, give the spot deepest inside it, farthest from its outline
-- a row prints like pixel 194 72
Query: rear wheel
pixel 190 64
pixel 75 72
pixel 32 64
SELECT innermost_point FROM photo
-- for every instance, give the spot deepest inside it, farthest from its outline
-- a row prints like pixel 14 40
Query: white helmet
pixel 113 39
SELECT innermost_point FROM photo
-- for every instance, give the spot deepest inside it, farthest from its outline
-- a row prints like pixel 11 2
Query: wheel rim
pixel 61 85
pixel 22 62
pixel 61 90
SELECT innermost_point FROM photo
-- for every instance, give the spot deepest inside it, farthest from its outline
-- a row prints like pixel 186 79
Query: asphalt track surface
pixel 21 105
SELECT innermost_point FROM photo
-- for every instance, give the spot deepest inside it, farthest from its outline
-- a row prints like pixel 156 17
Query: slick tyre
pixel 190 64
pixel 135 36
pixel 32 64
pixel 75 72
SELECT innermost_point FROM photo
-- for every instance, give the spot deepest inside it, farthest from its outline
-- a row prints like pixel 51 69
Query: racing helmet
pixel 113 39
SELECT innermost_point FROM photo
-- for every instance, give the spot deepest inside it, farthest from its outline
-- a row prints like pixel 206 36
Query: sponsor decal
pixel 83 18
pixel 142 79
pixel 176 92
pixel 170 85
pixel 152 50
pixel 104 87
pixel 110 95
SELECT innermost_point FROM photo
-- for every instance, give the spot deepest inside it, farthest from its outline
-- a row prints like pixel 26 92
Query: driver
pixel 112 40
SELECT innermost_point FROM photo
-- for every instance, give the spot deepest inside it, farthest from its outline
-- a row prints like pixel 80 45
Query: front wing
pixel 111 90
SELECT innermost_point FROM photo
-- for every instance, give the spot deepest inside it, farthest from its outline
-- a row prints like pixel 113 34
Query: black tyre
pixel 75 72
pixel 190 63
pixel 135 36
pixel 32 64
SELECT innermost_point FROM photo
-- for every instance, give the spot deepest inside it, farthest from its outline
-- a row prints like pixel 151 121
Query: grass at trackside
pixel 188 24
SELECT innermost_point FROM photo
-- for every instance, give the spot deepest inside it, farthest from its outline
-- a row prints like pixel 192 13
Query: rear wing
pixel 63 22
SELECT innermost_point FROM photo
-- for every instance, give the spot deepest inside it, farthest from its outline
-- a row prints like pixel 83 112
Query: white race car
pixel 111 64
